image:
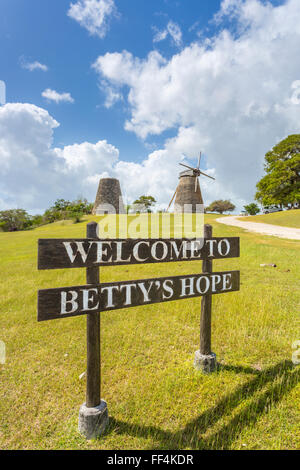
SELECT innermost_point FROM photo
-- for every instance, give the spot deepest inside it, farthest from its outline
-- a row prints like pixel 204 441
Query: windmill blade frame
pixel 172 199
pixel 187 166
pixel 211 177
pixel 197 170
pixel 199 161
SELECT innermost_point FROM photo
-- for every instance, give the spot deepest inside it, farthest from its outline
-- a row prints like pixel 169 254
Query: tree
pixel 75 211
pixel 63 209
pixel 220 206
pixel 145 203
pixel 36 220
pixel 61 204
pixel 51 215
pixel 18 219
pixel 281 184
pixel 80 205
pixel 252 208
pixel 14 219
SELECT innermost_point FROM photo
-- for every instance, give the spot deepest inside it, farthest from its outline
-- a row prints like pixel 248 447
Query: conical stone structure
pixel 109 198
pixel 186 194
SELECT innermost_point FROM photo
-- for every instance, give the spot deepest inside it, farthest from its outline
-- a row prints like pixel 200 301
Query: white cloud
pixel 234 98
pixel 53 95
pixel 112 95
pixel 26 160
pixel 79 156
pixel 93 15
pixel 31 66
pixel 93 180
pixel 33 173
pixel 234 92
pixel 173 30
pixel 158 174
pixel 160 35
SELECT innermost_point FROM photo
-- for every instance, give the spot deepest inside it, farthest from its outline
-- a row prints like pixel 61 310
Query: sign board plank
pixel 80 300
pixel 84 253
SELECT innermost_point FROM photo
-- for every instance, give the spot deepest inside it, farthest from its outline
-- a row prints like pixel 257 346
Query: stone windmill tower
pixel 188 191
pixel 109 198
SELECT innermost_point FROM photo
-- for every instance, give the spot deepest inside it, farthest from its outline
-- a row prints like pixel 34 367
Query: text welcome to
pixel 70 253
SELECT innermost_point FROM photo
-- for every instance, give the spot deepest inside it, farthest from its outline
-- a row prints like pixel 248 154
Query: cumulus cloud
pixel 93 15
pixel 158 174
pixel 112 95
pixel 173 30
pixel 31 66
pixel 236 92
pixel 33 173
pixel 78 157
pixel 53 95
pixel 233 96
pixel 26 161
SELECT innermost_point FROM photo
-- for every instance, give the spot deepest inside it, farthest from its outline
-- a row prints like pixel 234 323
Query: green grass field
pixel 289 218
pixel 156 399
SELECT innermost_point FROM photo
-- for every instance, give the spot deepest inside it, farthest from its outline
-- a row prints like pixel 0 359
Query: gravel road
pixel 265 229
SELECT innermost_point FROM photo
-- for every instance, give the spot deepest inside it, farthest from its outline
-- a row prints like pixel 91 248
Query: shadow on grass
pixel 255 398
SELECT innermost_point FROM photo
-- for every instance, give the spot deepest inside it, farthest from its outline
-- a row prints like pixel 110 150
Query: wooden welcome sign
pixel 80 300
pixel 84 253
pixel 95 297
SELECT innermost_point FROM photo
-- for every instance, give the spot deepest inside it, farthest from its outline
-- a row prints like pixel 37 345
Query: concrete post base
pixel 93 421
pixel 206 364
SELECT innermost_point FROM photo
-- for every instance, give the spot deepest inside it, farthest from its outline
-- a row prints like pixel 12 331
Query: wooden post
pixel 205 359
pixel 93 414
pixel 93 378
pixel 205 321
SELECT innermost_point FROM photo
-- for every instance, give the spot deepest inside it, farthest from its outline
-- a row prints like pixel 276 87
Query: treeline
pixel 13 220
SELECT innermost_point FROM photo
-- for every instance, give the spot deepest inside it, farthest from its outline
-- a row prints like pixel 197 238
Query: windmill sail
pixel 188 192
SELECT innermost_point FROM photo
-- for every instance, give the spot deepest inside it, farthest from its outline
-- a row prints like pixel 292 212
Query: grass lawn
pixel 156 399
pixel 289 218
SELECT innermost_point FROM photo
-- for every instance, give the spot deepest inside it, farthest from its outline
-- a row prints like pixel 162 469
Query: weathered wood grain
pixel 93 374
pixel 205 319
pixel 83 253
pixel 80 300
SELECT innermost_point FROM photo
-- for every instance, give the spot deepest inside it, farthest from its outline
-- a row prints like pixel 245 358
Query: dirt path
pixel 266 229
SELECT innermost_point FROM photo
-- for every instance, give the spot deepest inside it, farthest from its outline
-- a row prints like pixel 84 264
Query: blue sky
pixel 41 31
pixel 169 76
